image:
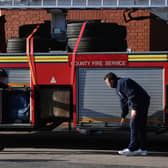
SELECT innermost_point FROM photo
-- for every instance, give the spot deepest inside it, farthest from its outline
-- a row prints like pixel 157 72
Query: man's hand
pixel 133 113
pixel 122 121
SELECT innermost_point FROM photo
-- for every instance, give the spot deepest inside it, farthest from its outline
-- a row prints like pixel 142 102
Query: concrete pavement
pixel 66 150
pixel 66 158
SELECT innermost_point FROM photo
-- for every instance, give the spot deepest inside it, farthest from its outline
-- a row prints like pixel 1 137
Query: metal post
pixel 102 3
pixel 56 3
pixel 74 54
pixel 71 3
pixel 86 3
pixel 165 2
pixel 150 2
pixel 42 2
pixel 30 60
pixel 13 2
pixel 118 3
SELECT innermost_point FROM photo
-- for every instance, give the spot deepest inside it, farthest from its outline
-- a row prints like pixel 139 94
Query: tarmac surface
pixel 66 150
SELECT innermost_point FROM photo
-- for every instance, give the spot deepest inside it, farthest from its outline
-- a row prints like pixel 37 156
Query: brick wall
pixel 158 35
pixel 138 31
pixel 18 17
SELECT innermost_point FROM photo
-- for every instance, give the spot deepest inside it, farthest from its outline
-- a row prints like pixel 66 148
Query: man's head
pixel 110 78
pixel 3 75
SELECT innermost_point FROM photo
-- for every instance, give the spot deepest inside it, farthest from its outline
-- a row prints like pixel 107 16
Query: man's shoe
pixel 127 152
pixel 141 152
pixel 121 152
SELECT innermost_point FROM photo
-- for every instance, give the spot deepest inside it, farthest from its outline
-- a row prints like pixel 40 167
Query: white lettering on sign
pixel 110 63
pixel 53 80
pixel 82 63
pixel 99 63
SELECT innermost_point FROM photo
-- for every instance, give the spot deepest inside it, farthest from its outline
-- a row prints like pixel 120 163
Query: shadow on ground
pixel 74 140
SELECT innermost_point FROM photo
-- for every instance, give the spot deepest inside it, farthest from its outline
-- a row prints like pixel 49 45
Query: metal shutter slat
pixel 96 100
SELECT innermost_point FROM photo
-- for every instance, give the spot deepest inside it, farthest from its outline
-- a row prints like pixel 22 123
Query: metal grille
pixel 18 76
pixel 97 101
pixel 83 3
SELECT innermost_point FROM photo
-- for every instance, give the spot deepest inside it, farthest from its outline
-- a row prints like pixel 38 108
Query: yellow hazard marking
pixel 22 59
pixel 161 57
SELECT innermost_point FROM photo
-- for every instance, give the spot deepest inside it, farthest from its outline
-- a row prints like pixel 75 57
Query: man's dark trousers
pixel 138 128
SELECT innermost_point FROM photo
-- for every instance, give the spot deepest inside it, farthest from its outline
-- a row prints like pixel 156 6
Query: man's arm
pixel 124 107
pixel 125 110
pixel 131 93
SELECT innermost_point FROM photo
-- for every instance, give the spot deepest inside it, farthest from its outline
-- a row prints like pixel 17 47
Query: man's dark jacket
pixel 131 94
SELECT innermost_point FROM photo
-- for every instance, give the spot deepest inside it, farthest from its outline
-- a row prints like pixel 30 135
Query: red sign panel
pixel 100 60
